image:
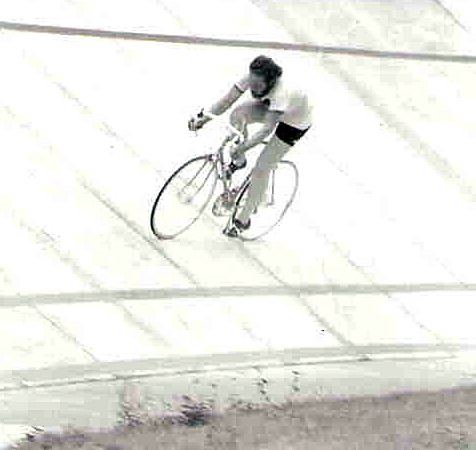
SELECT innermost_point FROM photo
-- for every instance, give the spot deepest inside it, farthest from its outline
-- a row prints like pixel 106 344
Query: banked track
pixel 100 371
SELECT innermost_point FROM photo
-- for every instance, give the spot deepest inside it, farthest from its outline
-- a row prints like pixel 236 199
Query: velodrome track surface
pixel 374 260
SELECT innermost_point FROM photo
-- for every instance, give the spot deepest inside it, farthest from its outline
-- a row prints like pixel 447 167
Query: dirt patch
pixel 444 419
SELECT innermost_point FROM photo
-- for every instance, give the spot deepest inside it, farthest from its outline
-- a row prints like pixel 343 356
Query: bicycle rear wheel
pixel 281 191
pixel 183 197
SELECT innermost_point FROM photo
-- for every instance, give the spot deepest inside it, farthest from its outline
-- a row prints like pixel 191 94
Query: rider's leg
pixel 282 140
pixel 267 160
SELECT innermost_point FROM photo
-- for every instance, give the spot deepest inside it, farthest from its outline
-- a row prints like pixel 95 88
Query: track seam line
pixel 224 292
pixel 197 40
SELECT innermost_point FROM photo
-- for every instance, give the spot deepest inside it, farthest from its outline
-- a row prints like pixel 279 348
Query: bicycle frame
pixel 219 163
pixel 218 158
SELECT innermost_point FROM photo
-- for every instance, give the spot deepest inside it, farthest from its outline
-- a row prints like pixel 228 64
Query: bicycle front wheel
pixel 183 197
pixel 280 193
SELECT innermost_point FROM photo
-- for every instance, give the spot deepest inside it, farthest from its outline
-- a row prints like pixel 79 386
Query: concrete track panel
pixel 463 13
pixel 37 343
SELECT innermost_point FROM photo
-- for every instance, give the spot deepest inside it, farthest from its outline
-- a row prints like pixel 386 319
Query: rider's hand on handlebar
pixel 197 122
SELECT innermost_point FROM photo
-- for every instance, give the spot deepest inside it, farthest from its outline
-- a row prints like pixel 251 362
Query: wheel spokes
pixel 183 198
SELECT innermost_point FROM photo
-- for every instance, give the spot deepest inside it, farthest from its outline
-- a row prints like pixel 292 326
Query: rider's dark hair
pixel 266 67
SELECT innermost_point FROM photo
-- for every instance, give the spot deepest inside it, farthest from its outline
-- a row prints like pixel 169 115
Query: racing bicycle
pixel 185 195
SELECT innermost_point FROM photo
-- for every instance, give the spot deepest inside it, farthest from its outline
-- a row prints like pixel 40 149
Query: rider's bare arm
pixel 226 101
pixel 272 119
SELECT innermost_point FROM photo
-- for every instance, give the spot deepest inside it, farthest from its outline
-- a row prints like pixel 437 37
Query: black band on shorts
pixel 289 134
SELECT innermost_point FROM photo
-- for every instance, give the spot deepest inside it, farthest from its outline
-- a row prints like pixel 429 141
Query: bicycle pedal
pixel 231 231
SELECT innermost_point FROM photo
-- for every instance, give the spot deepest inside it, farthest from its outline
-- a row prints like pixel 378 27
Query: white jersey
pixel 288 98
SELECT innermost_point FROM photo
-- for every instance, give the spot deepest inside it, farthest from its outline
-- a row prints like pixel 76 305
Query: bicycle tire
pixel 252 235
pixel 196 179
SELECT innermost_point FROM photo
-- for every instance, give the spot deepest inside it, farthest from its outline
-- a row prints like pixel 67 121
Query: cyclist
pixel 285 112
